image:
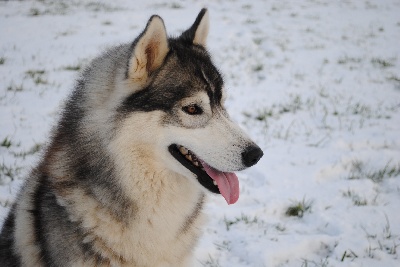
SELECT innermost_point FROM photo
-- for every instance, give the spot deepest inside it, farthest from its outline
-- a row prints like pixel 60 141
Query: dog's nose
pixel 252 155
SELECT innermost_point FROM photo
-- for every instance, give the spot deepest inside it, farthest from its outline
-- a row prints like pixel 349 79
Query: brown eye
pixel 192 109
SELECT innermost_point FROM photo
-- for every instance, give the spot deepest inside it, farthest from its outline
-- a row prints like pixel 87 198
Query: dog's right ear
pixel 149 51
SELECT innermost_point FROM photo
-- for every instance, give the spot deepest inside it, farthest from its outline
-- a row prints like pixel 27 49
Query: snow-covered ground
pixel 316 83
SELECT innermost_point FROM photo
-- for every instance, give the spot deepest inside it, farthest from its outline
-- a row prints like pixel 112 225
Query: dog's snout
pixel 252 155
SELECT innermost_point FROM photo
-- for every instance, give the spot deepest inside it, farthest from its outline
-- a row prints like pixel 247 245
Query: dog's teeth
pixel 189 156
pixel 183 150
pixel 214 182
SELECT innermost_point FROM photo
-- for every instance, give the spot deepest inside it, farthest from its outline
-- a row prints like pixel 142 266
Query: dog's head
pixel 176 109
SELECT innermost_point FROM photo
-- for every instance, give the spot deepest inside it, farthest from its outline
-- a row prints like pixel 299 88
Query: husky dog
pixel 142 138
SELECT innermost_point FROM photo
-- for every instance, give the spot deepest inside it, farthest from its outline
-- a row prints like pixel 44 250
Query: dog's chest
pixel 162 233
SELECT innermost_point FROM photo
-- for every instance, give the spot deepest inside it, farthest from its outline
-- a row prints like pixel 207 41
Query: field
pixel 315 83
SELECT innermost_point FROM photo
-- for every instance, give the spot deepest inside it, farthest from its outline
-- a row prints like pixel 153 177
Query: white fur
pixel 212 136
pixel 200 37
pixel 165 198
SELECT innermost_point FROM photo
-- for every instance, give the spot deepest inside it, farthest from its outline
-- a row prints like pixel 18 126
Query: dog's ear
pixel 149 50
pixel 198 32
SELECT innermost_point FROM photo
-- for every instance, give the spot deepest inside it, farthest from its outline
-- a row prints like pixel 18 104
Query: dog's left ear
pixel 198 32
pixel 149 51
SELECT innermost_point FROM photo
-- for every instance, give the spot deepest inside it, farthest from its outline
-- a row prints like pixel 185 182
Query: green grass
pixel 280 228
pixel 242 219
pixel 211 262
pixel 34 73
pixel 247 6
pixel 383 240
pixel 382 63
pixel 258 67
pixel 50 8
pixel 346 60
pixel 359 170
pixel 6 142
pixel 299 208
pixel 34 12
pixel 37 76
pixel 33 150
pixel 2 60
pixel 361 109
pixel 309 263
pixel 393 78
pixel 251 21
pixel 264 114
pixel 175 5
pixel 294 104
pixel 225 245
pixel 385 172
pixel 8 171
pixel 257 41
pixel 349 255
pixel 40 80
pixel 15 88
pixel 72 68
pixel 357 200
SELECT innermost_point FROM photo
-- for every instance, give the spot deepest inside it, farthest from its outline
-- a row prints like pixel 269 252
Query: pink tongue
pixel 228 183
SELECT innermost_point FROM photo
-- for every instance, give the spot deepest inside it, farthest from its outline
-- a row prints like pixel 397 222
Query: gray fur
pixel 107 192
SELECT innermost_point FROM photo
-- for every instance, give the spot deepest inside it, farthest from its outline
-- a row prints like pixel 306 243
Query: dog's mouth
pixel 224 183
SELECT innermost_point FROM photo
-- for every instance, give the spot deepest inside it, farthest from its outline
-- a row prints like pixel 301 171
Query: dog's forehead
pixel 199 97
pixel 185 72
pixel 192 73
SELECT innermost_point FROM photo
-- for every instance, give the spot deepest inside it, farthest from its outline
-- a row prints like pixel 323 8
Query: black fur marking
pixel 38 212
pixel 202 176
pixel 92 167
pixel 51 219
pixel 150 99
pixel 181 75
pixel 8 258
pixel 89 252
pixel 194 215
pixel 96 175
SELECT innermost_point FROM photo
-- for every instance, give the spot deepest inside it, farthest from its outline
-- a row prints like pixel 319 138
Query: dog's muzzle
pixel 225 183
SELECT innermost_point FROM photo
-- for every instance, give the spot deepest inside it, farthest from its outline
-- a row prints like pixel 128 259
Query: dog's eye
pixel 192 109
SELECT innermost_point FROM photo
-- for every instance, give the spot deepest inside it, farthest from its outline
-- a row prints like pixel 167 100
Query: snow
pixel 315 83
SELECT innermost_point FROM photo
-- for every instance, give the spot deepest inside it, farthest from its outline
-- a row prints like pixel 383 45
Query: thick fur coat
pixel 142 139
